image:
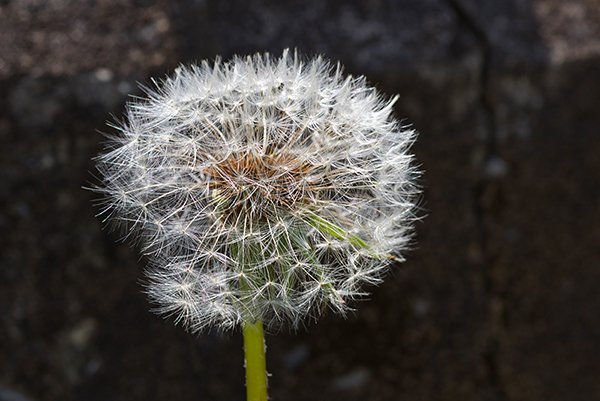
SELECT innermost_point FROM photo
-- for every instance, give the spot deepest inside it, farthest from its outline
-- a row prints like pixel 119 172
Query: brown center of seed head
pixel 257 187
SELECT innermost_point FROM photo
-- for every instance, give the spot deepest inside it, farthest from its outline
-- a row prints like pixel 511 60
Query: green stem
pixel 256 365
pixel 327 227
pixel 335 231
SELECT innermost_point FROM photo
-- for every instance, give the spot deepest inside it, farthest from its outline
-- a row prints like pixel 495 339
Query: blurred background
pixel 499 299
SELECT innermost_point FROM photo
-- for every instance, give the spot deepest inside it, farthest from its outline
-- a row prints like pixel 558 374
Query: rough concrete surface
pixel 499 300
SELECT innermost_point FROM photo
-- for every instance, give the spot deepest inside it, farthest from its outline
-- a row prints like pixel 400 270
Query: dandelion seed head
pixel 260 188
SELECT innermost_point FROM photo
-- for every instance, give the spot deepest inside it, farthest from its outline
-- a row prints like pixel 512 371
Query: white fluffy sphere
pixel 261 189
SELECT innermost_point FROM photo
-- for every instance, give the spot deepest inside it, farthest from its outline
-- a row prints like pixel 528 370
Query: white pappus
pixel 262 188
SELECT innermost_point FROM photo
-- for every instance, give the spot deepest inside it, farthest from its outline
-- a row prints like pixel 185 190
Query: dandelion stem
pixel 328 228
pixel 256 365
pixel 335 231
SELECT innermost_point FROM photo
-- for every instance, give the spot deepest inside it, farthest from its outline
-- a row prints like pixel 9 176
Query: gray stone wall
pixel 498 301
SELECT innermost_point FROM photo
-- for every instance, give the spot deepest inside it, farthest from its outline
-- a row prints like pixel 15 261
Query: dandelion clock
pixel 263 191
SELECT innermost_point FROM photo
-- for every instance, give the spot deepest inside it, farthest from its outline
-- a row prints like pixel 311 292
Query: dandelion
pixel 262 190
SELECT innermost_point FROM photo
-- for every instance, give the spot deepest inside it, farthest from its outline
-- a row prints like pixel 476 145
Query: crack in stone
pixel 480 190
